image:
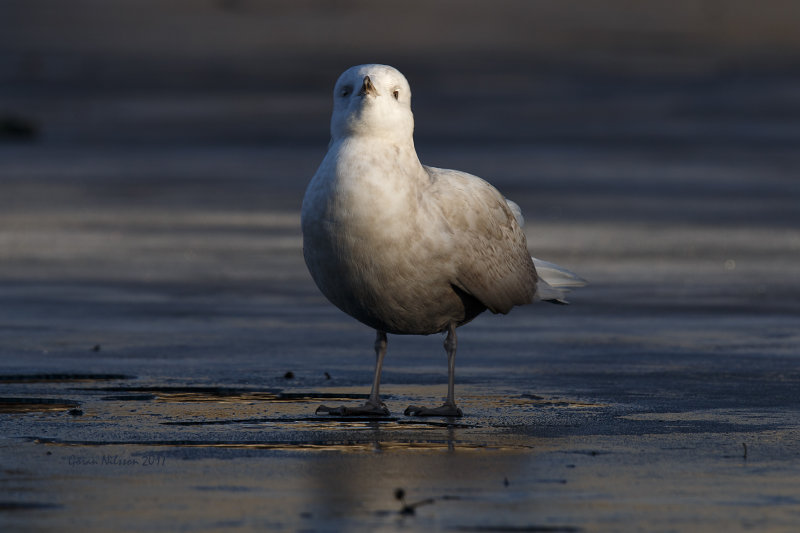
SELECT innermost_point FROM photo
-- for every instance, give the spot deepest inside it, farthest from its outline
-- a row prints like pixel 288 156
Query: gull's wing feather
pixel 489 252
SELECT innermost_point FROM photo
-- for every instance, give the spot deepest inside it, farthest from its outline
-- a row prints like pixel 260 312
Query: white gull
pixel 406 248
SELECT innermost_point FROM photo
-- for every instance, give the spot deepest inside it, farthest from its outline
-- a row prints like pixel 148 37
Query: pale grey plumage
pixel 400 246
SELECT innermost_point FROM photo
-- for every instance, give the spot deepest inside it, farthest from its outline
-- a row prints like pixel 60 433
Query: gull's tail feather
pixel 555 281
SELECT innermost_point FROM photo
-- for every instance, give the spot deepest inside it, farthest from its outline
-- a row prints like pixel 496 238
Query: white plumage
pixel 406 248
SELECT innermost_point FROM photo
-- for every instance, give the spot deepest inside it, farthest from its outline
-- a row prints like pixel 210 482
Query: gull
pixel 406 248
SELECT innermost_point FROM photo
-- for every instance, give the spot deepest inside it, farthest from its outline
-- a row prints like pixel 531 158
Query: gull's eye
pixel 345 91
pixel 396 94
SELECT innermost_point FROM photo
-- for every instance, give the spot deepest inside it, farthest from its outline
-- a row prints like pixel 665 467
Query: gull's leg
pixel 380 353
pixel 449 408
pixel 374 405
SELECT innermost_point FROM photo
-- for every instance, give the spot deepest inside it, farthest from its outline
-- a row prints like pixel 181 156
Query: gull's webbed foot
pixel 443 410
pixel 368 409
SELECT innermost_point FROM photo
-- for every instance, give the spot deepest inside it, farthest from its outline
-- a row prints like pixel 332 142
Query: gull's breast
pixel 377 255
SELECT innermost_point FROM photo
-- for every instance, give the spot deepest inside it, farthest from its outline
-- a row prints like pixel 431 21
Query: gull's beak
pixel 367 88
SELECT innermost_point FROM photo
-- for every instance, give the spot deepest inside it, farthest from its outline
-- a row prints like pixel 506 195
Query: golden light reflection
pixel 34 405
pixel 332 446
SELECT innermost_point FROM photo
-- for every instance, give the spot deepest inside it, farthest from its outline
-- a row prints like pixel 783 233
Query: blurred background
pixel 666 73
pixel 653 146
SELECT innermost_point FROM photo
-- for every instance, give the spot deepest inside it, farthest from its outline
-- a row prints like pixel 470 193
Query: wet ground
pixel 162 358
pixel 163 349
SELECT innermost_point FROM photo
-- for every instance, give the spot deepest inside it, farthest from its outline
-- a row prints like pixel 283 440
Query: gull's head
pixel 372 100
